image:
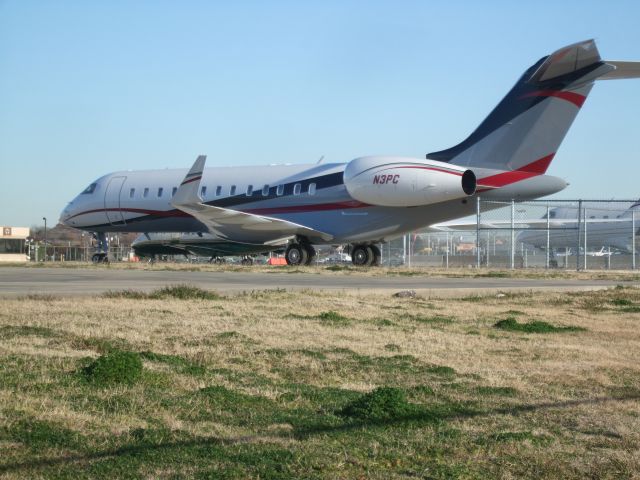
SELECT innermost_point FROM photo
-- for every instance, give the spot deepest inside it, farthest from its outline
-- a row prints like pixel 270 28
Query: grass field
pixel 275 384
pixel 350 270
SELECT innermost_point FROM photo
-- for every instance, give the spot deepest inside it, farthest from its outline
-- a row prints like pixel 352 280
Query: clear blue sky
pixel 87 88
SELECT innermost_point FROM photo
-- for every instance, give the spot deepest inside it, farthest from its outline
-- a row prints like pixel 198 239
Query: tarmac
pixel 18 281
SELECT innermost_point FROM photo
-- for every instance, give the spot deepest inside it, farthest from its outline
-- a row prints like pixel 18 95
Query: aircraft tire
pixel 100 258
pixel 377 256
pixel 296 254
pixel 311 254
pixel 362 255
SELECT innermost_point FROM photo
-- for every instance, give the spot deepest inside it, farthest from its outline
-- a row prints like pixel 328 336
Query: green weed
pixel 536 326
pixel 181 292
pixel 11 331
pixel 184 365
pixel 383 403
pixel 114 368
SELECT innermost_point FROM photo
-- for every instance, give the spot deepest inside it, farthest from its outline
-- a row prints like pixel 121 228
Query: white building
pixel 13 244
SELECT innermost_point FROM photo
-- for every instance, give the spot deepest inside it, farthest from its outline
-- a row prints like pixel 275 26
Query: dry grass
pixel 349 270
pixel 276 367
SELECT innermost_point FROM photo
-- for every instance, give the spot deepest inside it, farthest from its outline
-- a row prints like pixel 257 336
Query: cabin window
pixel 132 192
pixel 249 190
pixel 280 190
pixel 312 189
pixel 90 189
pixel 592 216
pixel 233 190
pixel 145 192
pixel 265 191
pixel 173 191
pixel 297 188
pixel 218 190
pixel 606 216
pixel 203 192
pixel 159 192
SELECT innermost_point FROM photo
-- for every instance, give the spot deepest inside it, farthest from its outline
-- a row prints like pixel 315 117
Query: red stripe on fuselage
pixel 309 208
pixel 256 211
pixel 575 98
pixel 158 213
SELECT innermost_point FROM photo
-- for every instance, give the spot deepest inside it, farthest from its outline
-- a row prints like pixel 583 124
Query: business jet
pixel 602 228
pixel 367 200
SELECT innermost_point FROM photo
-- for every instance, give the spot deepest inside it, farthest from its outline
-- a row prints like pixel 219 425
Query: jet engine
pixel 406 182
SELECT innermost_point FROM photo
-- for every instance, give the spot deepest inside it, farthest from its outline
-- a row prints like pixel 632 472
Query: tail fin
pixel 526 128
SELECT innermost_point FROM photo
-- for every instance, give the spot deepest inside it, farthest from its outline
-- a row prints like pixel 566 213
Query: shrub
pixel 535 326
pixel 383 403
pixel 114 368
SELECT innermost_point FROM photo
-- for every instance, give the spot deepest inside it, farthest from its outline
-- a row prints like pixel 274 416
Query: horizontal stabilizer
pixel 623 70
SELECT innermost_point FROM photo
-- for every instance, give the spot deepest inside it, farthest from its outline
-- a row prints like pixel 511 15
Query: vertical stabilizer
pixel 526 128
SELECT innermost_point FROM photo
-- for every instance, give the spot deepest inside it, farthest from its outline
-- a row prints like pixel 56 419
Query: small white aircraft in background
pixel 604 227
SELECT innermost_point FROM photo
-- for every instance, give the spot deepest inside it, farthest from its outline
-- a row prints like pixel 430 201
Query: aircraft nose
pixel 66 214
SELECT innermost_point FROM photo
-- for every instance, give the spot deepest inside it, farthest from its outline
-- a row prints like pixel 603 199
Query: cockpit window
pixel 90 189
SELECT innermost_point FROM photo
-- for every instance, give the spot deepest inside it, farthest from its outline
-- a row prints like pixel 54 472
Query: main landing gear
pixel 300 253
pixel 365 255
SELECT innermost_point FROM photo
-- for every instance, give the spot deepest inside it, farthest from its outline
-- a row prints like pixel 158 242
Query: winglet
pixel 188 191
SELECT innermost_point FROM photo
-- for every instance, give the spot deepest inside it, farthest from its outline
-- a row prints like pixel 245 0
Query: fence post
pixel 404 250
pixel 578 243
pixel 584 254
pixel 546 263
pixel 446 251
pixel 486 248
pixel 633 239
pixel 478 232
pixel 513 234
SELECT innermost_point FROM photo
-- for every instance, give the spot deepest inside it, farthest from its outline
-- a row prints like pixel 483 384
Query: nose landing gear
pixel 102 248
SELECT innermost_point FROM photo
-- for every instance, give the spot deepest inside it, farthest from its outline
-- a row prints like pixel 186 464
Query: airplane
pixel 604 228
pixel 152 244
pixel 365 201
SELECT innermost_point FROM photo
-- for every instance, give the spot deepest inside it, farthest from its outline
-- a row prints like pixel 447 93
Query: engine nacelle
pixel 406 182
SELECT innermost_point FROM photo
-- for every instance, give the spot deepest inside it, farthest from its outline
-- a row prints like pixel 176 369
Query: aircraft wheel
pixel 311 254
pixel 362 255
pixel 100 258
pixel 296 255
pixel 377 256
pixel 247 261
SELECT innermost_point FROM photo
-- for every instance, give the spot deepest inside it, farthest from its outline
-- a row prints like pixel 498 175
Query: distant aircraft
pixel 368 200
pixel 615 231
pixel 201 244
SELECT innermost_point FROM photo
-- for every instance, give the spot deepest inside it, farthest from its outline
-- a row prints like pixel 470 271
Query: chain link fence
pixel 575 234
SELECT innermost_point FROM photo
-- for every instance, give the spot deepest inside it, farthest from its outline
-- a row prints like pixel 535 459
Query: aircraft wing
pixel 540 223
pixel 221 220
